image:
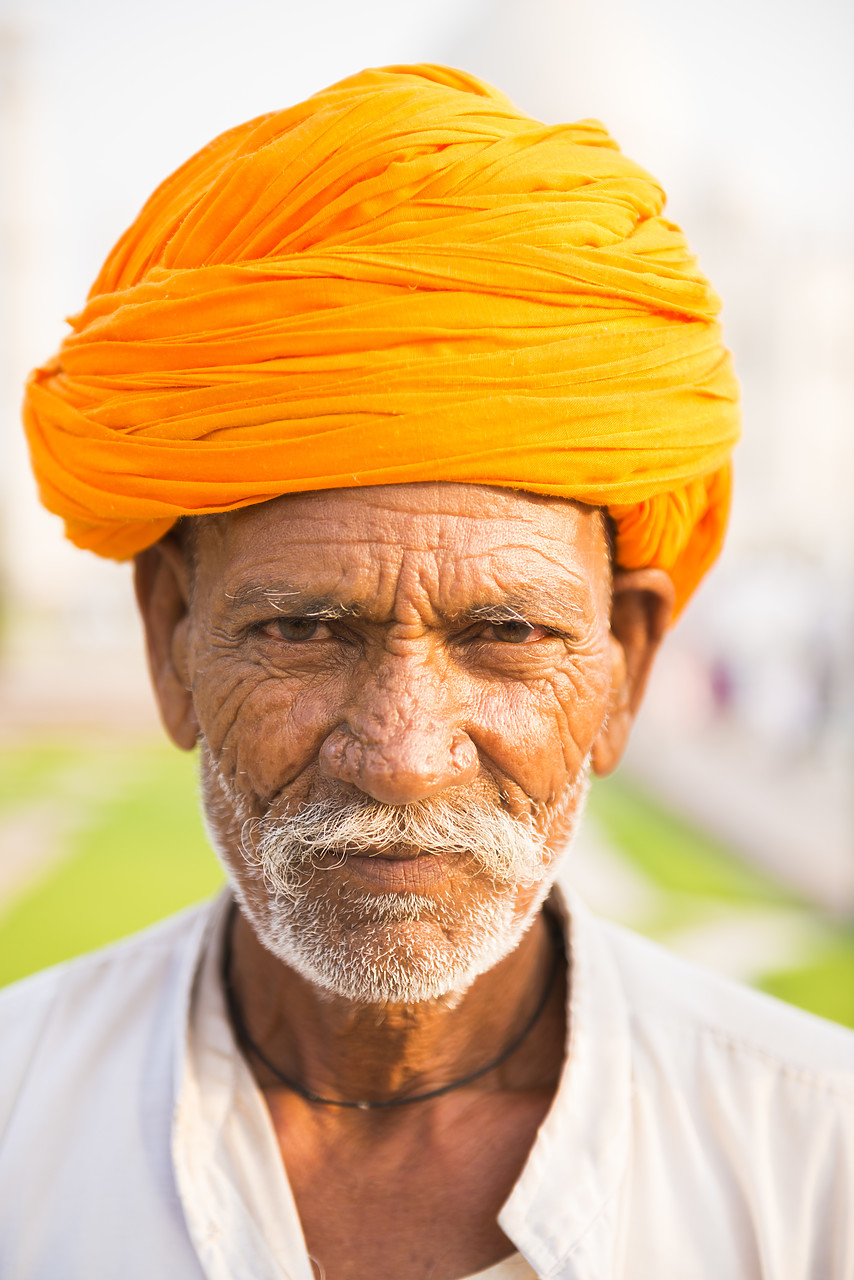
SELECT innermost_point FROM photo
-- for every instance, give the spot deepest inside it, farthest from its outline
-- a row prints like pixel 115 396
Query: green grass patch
pixel 696 876
pixel 676 856
pixel 141 855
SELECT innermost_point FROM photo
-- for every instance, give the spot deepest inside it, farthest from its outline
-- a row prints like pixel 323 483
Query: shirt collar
pixel 562 1212
pixel 237 1201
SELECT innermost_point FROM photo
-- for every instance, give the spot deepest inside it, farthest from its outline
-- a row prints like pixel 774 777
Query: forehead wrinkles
pixel 425 588
pixel 397 558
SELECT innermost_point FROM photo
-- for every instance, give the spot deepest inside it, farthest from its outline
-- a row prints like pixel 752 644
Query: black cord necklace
pixel 243 1036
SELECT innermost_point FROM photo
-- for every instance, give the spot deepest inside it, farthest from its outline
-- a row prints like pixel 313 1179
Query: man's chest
pixel 406 1195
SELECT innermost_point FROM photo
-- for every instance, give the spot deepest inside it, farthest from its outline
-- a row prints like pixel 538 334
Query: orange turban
pixel 400 279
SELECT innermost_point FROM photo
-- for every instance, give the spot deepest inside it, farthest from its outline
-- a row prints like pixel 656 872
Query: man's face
pixel 397 691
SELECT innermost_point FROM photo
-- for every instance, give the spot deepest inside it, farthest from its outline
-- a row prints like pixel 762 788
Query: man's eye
pixel 296 629
pixel 513 632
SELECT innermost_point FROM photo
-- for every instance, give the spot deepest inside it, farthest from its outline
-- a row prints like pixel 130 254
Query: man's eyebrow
pixel 534 604
pixel 290 601
pixel 527 606
pixel 519 605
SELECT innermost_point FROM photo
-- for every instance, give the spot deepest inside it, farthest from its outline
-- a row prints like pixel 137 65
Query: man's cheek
pixel 540 735
pixel 264 732
pixel 581 697
pixel 222 697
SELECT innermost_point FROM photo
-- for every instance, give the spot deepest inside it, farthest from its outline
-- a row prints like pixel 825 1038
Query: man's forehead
pixel 350 545
pixel 462 509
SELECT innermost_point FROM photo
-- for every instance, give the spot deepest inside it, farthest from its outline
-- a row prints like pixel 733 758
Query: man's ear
pixel 641 607
pixel 162 584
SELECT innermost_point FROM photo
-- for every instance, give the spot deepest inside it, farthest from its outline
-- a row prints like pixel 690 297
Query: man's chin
pixel 393 948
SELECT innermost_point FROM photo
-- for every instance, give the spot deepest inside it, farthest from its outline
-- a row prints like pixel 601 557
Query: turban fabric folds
pixel 400 279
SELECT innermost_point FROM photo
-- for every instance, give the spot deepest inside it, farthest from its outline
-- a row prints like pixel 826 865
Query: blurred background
pixel 728 831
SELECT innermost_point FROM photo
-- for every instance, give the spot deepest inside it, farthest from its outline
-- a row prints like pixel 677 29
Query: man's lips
pixel 400 870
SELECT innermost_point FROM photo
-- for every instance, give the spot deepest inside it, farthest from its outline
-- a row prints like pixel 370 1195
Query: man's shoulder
pixel 672 1000
pixel 74 1003
pixel 741 1121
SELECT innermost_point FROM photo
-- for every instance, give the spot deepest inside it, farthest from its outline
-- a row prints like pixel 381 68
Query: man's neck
pixel 350 1051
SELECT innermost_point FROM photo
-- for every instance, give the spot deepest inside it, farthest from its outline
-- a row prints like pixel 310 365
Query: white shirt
pixel 700 1131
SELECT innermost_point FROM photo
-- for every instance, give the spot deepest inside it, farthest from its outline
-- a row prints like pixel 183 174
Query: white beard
pixel 378 948
pixel 404 950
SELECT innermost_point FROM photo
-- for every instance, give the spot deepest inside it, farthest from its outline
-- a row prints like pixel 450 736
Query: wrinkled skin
pixel 480 641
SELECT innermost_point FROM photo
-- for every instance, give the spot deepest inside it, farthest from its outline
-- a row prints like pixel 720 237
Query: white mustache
pixel 507 849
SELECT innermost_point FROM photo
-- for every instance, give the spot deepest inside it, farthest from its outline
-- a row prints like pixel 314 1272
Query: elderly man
pixel 415 416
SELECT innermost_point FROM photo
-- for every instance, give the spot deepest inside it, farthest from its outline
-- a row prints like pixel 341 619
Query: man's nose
pixel 400 740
